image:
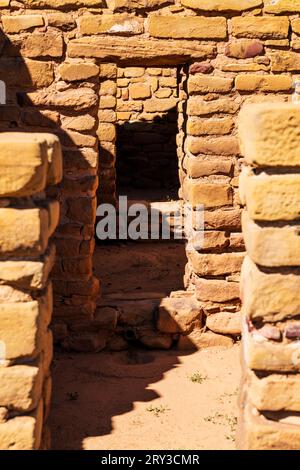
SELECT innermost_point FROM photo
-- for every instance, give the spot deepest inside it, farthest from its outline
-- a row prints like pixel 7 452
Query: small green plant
pixel 197 378
pixel 157 410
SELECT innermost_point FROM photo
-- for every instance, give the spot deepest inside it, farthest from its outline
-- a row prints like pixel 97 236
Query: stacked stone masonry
pixel 147 127
pixel 28 164
pixel 61 61
pixel 270 280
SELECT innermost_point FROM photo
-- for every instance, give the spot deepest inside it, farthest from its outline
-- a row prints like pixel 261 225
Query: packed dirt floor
pixel 142 399
pixel 139 399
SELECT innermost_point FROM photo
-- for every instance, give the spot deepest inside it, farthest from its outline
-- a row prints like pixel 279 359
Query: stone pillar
pixel 28 163
pixel 209 172
pixel 270 191
pixel 107 133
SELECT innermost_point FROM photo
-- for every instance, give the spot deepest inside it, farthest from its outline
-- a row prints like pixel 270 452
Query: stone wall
pixel 270 190
pixel 28 163
pixel 59 59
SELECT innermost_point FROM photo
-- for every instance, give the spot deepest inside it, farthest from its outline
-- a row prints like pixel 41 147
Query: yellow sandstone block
pixel 269 296
pixel 273 246
pixel 268 83
pixel 23 326
pixel 55 159
pixel 261 27
pixel 15 24
pixel 193 27
pixel 259 353
pixel 271 197
pixel 23 164
pixel 274 392
pixel 22 432
pixel 256 432
pixel 24 232
pixel 28 274
pixel 269 134
pixel 80 71
pixel 282 6
pixel 111 24
pixel 21 386
pixel 210 194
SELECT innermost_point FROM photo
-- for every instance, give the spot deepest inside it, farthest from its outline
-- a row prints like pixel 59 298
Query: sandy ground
pixel 140 267
pixel 140 399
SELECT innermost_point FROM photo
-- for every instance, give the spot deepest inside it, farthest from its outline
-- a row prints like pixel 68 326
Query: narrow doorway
pixel 137 274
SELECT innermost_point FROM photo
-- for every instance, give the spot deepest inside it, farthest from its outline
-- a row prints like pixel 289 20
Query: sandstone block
pixel 134 72
pixel 296 25
pixel 244 48
pixel 107 102
pixel 23 163
pixel 210 126
pixel 21 386
pixel 210 194
pixel 271 246
pixel 81 71
pixel 215 264
pixel 282 6
pixel 55 159
pixel 15 24
pixel 28 274
pixel 139 91
pixel 106 132
pixel 108 87
pixel 268 295
pixel 22 432
pixel 227 323
pixel 269 134
pixel 213 145
pixel 223 219
pixel 274 392
pixel 48 44
pixel 122 24
pixel 198 84
pixel 61 20
pixel 267 83
pixel 138 49
pixel 213 240
pixel 193 27
pixel 23 232
pixel 160 105
pixel 23 327
pixel 198 339
pixel 85 122
pixel 178 315
pixel 206 166
pixel 262 354
pixel 108 71
pixel 285 61
pixel 275 197
pixel 196 106
pixel 258 433
pixel 216 290
pixel 24 73
pixel 84 98
pixel 261 27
